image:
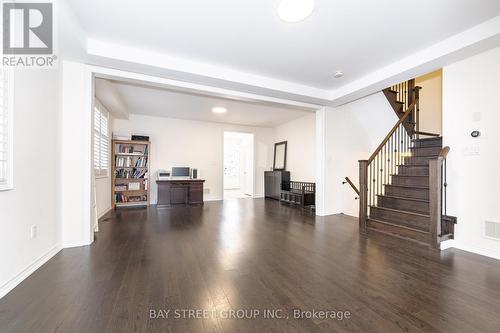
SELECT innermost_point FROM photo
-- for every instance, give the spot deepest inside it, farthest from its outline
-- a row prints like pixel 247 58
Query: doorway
pixel 238 173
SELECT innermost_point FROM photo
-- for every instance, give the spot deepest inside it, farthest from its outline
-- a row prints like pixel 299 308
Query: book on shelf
pixel 121 187
pixel 133 148
pixel 128 162
pixel 122 198
pixel 134 186
pixel 131 174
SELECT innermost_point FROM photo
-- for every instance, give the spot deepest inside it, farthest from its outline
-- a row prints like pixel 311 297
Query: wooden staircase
pixel 403 184
pixel 403 209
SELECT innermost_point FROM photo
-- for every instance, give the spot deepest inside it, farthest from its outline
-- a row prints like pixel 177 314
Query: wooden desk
pixel 180 192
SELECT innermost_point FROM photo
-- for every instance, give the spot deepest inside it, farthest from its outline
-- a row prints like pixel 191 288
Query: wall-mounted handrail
pixel 444 152
pixel 348 181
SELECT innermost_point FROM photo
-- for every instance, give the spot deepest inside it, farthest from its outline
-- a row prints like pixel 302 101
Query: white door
pixel 247 164
pixel 232 158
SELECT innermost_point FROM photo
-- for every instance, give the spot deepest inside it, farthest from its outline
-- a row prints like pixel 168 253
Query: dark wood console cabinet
pixel 180 192
pixel 273 181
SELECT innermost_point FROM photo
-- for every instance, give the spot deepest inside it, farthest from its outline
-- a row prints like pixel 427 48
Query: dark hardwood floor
pixel 252 254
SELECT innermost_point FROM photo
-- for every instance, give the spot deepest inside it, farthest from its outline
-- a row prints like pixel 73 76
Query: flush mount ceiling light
pixel 338 74
pixel 219 109
pixel 293 11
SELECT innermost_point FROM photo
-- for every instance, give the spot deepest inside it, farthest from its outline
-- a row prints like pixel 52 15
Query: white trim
pixel 182 66
pixel 470 248
pixel 320 161
pixel 9 185
pixel 76 243
pixel 185 86
pixel 25 273
pixel 477 39
pixel 104 213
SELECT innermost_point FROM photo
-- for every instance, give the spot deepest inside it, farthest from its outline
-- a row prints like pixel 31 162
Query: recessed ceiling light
pixel 293 11
pixel 338 74
pixel 219 110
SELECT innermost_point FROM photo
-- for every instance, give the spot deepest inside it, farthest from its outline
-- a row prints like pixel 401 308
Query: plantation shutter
pixel 101 141
pixel 5 131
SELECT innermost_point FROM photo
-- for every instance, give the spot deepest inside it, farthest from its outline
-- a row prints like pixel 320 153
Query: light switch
pixel 472 151
pixel 476 116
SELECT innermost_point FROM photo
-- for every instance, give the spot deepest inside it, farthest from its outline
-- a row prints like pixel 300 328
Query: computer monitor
pixel 180 172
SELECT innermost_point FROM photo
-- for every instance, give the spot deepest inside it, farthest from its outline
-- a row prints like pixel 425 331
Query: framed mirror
pixel 280 156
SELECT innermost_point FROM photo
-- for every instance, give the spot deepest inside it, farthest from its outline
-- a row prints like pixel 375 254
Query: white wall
pixel 177 142
pixel 431 102
pixel 470 90
pixel 301 152
pixel 76 165
pixel 103 183
pixel 35 197
pixel 352 132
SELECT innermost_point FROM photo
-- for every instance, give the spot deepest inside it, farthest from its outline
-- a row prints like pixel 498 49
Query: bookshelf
pixel 130 185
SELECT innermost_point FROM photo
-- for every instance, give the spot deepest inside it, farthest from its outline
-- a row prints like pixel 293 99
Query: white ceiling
pixel 156 101
pixel 356 36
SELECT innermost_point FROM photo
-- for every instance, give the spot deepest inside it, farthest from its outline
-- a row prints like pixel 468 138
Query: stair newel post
pixel 363 195
pixel 417 110
pixel 435 183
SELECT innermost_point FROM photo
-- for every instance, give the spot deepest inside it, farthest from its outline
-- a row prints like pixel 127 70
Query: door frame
pixel 253 168
pixel 77 217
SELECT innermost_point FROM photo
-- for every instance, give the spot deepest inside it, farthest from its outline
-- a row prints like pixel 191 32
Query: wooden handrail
pixel 444 152
pixel 352 185
pixel 408 111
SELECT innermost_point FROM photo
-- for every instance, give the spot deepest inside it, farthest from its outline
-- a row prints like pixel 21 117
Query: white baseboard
pixel 212 199
pixel 447 244
pixel 104 213
pixel 327 213
pixel 474 249
pixel 21 276
pixel 78 243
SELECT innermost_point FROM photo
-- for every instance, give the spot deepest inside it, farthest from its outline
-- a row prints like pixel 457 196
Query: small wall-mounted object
pixel 476 116
pixel 475 134
pixel 491 228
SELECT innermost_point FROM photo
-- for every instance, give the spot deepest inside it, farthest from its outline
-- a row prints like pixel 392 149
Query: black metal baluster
pixel 378 174
pixel 389 160
pixel 371 183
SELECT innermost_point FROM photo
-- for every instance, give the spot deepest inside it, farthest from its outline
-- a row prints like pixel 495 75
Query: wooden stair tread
pixel 409 186
pixel 401 211
pixel 402 198
pixel 426 156
pixel 428 134
pixel 411 165
pixel 428 139
pixel 391 230
pixel 436 146
pixel 399 225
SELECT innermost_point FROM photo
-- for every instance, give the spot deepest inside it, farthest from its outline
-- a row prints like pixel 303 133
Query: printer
pixel 163 175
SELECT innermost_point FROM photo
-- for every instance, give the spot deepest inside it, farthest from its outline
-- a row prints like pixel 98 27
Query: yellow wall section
pixel 431 101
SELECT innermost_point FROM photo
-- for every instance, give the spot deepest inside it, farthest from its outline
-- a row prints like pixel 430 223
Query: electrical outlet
pixel 33 231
